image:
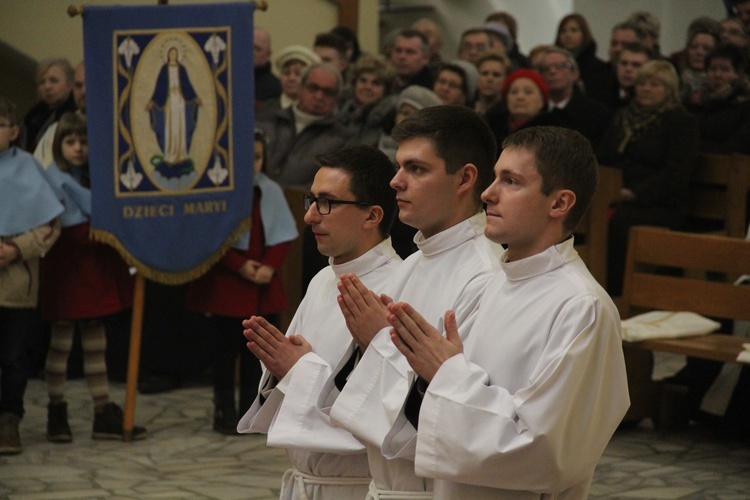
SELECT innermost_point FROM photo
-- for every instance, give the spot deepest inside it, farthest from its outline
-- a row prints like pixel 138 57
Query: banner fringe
pixel 168 278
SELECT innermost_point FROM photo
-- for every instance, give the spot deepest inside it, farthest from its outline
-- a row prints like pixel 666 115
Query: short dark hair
pixel 732 53
pixel 350 38
pixel 460 136
pixel 565 160
pixel 68 124
pixel 628 25
pixel 370 173
pixel 333 41
pixel 637 48
pixel 8 111
pixel 412 33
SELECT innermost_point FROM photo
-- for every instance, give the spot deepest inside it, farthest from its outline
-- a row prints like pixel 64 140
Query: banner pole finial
pixel 75 10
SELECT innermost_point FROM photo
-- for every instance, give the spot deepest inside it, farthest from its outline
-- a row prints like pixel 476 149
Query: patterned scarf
pixel 635 118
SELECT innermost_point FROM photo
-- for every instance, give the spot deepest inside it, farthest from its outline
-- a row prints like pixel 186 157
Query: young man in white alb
pixel 444 158
pixel 524 406
pixel 350 208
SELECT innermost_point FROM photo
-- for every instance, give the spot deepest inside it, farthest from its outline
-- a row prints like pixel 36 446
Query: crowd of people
pixel 647 113
pixel 374 389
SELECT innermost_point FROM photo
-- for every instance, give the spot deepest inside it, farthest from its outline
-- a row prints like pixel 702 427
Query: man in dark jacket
pixel 411 58
pixel 305 129
pixel 567 106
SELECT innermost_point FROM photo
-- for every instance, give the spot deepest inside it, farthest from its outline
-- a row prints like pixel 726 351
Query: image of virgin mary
pixel 173 111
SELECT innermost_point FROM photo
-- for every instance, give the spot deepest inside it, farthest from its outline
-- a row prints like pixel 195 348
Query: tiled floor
pixel 184 458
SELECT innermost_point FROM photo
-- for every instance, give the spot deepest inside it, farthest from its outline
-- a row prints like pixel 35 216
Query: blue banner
pixel 170 100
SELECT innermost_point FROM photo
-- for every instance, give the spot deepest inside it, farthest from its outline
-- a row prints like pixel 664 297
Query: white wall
pixel 42 28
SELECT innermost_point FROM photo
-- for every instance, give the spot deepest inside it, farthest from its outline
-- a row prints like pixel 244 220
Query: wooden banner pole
pixel 136 329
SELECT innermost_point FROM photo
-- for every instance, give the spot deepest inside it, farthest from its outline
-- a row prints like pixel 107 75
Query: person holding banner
pixel 29 226
pixel 245 282
pixel 350 208
pixel 82 283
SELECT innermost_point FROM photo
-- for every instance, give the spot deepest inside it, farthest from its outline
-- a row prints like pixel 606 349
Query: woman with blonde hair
pixel 654 141
pixel 54 77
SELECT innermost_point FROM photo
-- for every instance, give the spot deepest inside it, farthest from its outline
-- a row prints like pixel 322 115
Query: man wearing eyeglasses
pixel 568 107
pixel 305 129
pixel 445 158
pixel 350 208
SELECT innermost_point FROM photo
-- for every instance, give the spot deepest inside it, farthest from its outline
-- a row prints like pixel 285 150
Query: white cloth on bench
pixel 666 325
pixel 744 356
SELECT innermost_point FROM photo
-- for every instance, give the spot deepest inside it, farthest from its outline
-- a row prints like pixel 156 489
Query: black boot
pixel 108 424
pixel 58 430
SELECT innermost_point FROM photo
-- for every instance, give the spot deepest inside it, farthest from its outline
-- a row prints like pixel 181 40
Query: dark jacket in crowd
pixel 267 85
pixel 583 114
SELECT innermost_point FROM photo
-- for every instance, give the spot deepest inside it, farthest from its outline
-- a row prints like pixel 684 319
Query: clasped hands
pixel 256 272
pixel 423 345
pixel 276 351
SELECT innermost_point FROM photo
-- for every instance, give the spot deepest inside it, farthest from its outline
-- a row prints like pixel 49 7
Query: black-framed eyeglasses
pixel 323 205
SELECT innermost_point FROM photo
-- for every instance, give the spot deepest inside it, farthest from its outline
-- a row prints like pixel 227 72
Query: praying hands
pixel 364 311
pixel 276 351
pixel 422 344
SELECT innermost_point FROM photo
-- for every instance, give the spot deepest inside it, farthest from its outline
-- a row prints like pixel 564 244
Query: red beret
pixel 531 75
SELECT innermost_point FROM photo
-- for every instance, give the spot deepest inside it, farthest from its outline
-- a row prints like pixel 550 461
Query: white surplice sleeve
pixel 375 391
pixel 262 413
pixel 401 440
pixel 547 436
pixel 300 423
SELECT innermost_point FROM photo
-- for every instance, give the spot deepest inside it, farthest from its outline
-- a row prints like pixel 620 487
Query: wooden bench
pixel 719 191
pixel 647 288
pixel 591 233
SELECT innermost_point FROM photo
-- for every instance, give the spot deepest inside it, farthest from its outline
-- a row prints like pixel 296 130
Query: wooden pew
pixel 646 289
pixel 591 233
pixel 719 191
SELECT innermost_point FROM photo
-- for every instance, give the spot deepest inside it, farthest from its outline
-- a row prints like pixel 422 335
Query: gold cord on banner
pixel 164 277
pixel 77 10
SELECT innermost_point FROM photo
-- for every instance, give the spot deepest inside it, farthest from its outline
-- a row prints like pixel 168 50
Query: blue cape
pixel 278 222
pixel 75 198
pixel 26 198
